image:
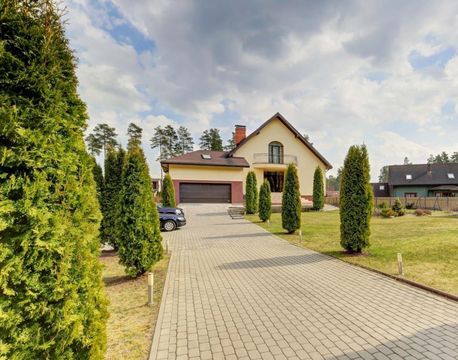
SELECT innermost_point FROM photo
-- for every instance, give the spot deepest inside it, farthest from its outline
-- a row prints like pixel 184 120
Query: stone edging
pixel 155 343
pixel 394 277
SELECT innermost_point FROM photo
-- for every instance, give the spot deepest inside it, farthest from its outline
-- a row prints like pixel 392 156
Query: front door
pixel 275 179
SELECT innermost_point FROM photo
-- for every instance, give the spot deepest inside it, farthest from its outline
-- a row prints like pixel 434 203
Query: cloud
pixel 343 72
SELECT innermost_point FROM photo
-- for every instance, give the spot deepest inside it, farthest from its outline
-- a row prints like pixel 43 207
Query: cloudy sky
pixel 383 73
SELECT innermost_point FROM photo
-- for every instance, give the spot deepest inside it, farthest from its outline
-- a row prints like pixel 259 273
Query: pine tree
pixel 251 193
pixel 291 201
pixel 168 192
pixel 112 188
pixel 166 140
pixel 355 200
pixel 230 145
pixel 134 132
pixel 139 238
pixel 265 201
pixel 184 143
pixel 105 136
pixel 211 140
pixel 94 145
pixel 53 305
pixel 318 189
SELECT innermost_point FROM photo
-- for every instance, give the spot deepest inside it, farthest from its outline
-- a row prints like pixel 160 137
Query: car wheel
pixel 169 225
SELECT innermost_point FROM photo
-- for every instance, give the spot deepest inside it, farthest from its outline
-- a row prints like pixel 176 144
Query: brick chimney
pixel 240 133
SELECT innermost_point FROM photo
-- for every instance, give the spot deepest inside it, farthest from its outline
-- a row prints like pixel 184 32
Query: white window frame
pixel 408 176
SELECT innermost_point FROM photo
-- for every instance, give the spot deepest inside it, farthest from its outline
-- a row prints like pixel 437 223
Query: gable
pixel 277 128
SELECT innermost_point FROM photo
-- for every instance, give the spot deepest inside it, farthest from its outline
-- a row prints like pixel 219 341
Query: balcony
pixel 273 160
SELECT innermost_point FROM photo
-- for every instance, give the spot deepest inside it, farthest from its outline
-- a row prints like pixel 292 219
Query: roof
pixel 423 174
pixel 292 129
pixel 217 158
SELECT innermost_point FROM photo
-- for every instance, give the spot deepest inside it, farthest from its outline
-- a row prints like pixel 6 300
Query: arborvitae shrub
pixel 291 201
pixel 52 300
pixel 168 192
pixel 318 189
pixel 98 177
pixel 139 237
pixel 114 160
pixel 265 201
pixel 251 193
pixel 355 200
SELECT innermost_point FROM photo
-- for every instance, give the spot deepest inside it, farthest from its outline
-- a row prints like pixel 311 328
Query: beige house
pixel 219 176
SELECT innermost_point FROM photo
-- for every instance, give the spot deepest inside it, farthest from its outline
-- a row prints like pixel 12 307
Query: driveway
pixel 236 292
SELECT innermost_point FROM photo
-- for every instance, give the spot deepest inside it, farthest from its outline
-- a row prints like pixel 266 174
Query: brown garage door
pixel 205 193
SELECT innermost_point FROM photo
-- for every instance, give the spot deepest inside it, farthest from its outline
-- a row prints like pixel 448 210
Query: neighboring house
pixel 156 182
pixel 381 189
pixel 422 180
pixel 219 176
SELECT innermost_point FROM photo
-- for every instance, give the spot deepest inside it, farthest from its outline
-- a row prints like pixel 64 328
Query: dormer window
pixel 206 156
pixel 408 177
pixel 275 153
pixel 451 175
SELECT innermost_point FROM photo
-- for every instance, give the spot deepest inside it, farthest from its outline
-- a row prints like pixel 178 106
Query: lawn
pixel 429 244
pixel 131 323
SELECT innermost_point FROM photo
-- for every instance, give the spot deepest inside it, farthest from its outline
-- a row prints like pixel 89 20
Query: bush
pixel 355 200
pixel 52 300
pixel 318 189
pixel 168 192
pixel 410 206
pixel 251 193
pixel 139 238
pixel 265 201
pixel 387 213
pixel 291 201
pixel 422 212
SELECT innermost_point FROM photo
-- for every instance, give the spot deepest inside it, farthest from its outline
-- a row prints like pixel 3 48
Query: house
pixel 219 176
pixel 381 189
pixel 423 180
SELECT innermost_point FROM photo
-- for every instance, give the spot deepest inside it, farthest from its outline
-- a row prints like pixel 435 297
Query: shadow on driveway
pixel 274 262
pixel 257 234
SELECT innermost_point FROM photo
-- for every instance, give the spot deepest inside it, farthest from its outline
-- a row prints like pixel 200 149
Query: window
pixel 411 194
pixel 382 187
pixel 408 177
pixel 451 175
pixel 275 153
pixel 275 180
pixel 206 156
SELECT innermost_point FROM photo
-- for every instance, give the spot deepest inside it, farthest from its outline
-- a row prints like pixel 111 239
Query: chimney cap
pixel 240 126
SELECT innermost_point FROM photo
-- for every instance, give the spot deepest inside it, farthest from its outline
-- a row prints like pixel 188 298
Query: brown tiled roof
pixel 217 158
pixel 292 129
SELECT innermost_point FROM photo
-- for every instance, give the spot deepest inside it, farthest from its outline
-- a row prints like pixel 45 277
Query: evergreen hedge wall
pixel 52 300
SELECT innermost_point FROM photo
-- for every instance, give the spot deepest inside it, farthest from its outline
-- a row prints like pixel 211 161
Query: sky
pixel 382 73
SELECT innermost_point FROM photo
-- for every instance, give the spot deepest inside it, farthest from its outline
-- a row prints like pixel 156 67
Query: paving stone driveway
pixel 236 292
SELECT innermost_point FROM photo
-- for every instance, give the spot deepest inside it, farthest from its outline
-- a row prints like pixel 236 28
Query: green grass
pixel 131 323
pixel 429 244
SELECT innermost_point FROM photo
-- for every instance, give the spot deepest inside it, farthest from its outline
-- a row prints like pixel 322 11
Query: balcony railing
pixel 264 158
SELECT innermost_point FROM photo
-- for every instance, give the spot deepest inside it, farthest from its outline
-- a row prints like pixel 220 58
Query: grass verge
pixel 429 244
pixel 131 324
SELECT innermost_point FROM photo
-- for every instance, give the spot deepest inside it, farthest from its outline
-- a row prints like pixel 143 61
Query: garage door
pixel 205 193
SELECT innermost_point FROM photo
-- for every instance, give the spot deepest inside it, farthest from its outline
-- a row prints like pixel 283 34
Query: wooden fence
pixel 431 203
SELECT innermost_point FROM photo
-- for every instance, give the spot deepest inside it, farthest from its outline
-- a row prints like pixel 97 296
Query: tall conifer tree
pixel 355 200
pixel 139 238
pixel 291 201
pixel 52 301
pixel 318 189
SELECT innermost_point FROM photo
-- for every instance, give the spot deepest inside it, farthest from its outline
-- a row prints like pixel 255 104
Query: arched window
pixel 275 153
